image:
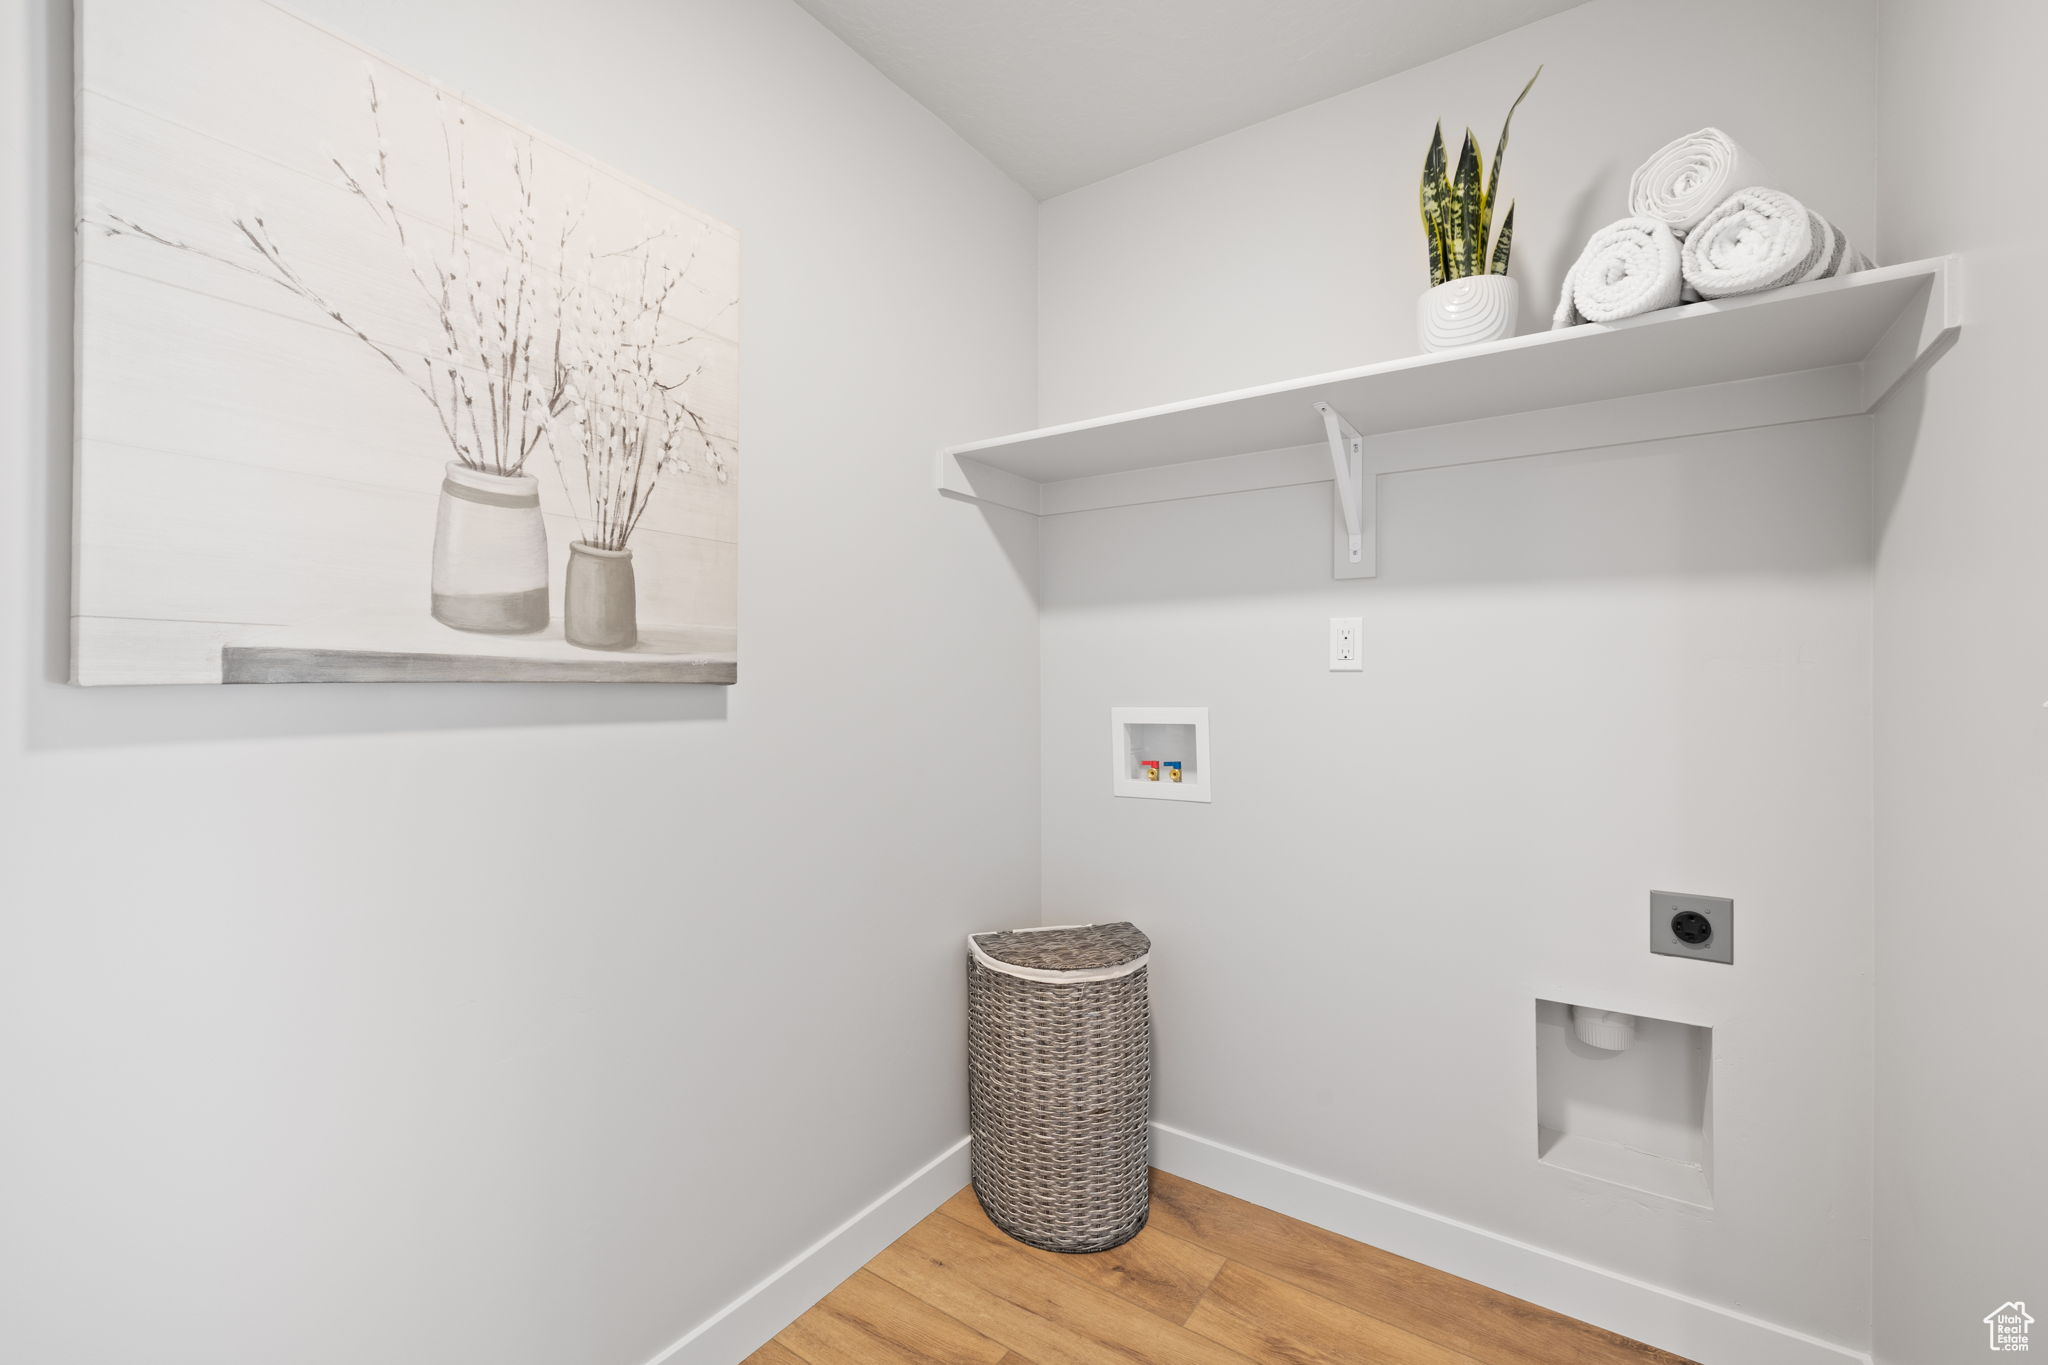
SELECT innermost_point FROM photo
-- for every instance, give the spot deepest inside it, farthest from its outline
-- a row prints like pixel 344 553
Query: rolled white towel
pixel 1688 179
pixel 1763 239
pixel 1628 267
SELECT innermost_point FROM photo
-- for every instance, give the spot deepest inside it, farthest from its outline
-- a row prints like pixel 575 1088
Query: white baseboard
pixel 1674 1322
pixel 737 1330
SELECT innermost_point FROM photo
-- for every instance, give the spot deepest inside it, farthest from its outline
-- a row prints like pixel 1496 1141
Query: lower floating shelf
pixel 1833 348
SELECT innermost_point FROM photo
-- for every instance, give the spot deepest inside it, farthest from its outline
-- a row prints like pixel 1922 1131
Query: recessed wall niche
pixel 1159 752
pixel 1641 1117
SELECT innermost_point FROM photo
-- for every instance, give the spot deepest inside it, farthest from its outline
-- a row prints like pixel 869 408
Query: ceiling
pixel 1061 93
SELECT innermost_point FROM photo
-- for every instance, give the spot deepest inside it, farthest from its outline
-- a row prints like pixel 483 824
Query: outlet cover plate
pixel 1347 653
pixel 1719 911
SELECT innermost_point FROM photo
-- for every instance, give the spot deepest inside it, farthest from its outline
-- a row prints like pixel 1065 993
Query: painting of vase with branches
pixel 626 422
pixel 378 321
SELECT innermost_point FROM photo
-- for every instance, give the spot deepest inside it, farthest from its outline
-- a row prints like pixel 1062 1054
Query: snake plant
pixel 1457 212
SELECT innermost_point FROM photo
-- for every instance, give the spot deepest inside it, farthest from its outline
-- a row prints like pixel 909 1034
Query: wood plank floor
pixel 1211 1280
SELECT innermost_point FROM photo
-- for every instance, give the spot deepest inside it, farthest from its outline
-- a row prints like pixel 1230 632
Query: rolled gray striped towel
pixel 1762 239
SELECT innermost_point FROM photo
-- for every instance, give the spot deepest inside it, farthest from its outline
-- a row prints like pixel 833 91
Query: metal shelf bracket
pixel 1356 501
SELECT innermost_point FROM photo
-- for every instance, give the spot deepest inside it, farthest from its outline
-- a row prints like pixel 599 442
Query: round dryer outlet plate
pixel 1701 927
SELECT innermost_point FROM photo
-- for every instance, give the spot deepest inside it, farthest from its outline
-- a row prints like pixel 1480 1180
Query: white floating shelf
pixel 1833 348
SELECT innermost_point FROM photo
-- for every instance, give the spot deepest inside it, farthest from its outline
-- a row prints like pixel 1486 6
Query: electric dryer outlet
pixel 1700 927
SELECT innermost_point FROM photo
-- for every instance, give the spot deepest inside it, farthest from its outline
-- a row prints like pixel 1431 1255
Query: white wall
pixel 532 1024
pixel 1962 672
pixel 1586 676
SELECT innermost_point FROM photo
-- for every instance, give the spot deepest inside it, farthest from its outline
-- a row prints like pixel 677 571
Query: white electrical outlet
pixel 1344 650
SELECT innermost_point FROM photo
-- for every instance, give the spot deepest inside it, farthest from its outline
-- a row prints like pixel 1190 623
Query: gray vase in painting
pixel 598 606
pixel 490 553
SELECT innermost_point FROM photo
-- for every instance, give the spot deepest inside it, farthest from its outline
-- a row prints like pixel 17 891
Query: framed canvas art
pixel 377 385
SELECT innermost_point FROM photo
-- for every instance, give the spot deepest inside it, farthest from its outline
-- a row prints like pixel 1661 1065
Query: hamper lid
pixel 1063 952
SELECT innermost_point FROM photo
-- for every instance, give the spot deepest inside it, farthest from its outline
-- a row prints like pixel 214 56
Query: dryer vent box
pixel 1641 1118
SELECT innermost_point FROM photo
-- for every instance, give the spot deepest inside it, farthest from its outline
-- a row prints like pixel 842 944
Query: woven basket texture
pixel 1060 1088
pixel 1067 950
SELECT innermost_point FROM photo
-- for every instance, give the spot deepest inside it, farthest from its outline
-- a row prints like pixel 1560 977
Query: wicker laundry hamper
pixel 1059 1045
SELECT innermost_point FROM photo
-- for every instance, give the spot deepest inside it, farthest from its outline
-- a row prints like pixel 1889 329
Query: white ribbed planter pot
pixel 490 553
pixel 1466 312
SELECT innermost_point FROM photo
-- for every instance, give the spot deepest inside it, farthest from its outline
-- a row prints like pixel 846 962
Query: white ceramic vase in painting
pixel 1467 311
pixel 490 553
